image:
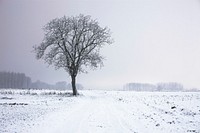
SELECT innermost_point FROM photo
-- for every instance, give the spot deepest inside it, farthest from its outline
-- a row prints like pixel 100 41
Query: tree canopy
pixel 72 43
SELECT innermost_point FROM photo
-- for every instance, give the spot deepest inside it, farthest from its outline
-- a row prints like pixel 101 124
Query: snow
pixel 99 111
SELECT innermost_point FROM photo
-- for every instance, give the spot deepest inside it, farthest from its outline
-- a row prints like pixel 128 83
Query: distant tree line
pixel 62 85
pixel 21 81
pixel 14 80
pixel 171 86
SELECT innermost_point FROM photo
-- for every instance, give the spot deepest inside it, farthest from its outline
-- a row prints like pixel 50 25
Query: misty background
pixel 155 41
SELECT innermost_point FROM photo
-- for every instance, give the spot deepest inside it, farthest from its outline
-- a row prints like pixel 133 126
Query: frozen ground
pixel 100 112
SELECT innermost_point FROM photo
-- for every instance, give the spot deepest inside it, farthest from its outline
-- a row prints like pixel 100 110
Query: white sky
pixel 155 40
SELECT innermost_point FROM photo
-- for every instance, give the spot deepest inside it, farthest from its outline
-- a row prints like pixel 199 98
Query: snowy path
pixel 107 112
pixel 89 115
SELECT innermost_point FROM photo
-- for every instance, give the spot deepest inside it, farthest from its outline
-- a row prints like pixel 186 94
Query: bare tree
pixel 73 43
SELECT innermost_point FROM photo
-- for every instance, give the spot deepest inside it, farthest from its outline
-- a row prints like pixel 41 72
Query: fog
pixel 155 41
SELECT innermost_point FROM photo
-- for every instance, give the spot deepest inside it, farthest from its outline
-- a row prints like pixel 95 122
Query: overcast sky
pixel 155 40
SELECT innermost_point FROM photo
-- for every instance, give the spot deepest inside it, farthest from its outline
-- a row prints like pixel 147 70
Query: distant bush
pixel 171 86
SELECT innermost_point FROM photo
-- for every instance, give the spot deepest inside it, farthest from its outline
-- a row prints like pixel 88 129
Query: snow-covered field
pixel 99 112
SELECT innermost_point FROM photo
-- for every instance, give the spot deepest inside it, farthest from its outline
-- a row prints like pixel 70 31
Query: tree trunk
pixel 74 85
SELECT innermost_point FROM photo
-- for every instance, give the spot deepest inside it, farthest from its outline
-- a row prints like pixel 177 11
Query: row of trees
pixel 62 85
pixel 171 86
pixel 14 80
pixel 20 80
